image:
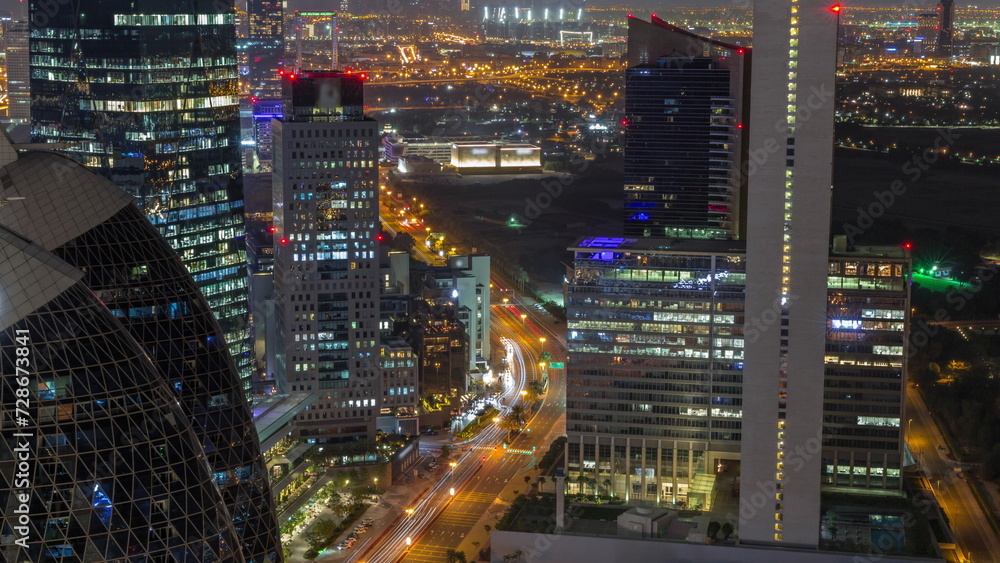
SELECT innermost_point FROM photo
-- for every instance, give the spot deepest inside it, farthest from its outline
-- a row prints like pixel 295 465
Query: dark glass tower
pixel 114 471
pixel 685 97
pixel 265 48
pixel 85 220
pixel 947 15
pixel 145 92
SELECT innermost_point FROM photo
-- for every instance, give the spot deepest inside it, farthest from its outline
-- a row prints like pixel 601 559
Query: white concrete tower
pixel 790 176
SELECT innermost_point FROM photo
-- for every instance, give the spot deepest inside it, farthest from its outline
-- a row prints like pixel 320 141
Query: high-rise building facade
pixel 326 264
pixel 868 319
pixel 946 11
pixel 86 221
pixel 15 46
pixel 788 233
pixel 686 100
pixel 265 47
pixel 654 381
pixel 101 464
pixel 150 100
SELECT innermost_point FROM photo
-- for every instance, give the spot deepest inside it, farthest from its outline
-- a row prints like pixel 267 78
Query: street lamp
pixel 541 339
pixel 409 541
pixel 523 318
pixel 409 512
pixel 452 491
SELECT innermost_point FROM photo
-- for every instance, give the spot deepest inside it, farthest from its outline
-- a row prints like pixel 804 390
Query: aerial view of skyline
pixel 453 281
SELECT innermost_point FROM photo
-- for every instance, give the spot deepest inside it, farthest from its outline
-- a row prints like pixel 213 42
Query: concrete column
pixel 560 501
pixel 659 471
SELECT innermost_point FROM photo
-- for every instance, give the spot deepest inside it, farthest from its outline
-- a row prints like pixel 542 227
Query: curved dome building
pixel 97 460
pixel 85 220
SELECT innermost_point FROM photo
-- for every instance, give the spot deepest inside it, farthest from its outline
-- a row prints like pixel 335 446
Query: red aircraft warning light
pixel 836 8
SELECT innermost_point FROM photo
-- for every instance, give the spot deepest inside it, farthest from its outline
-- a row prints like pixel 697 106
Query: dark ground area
pixel 945 196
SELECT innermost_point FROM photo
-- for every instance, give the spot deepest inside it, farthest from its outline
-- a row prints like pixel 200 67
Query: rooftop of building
pixel 659 245
pixel 841 249
pixel 271 415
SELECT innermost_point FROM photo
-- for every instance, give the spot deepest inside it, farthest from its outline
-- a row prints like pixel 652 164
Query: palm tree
pixel 515 419
pixel 607 486
pixel 541 481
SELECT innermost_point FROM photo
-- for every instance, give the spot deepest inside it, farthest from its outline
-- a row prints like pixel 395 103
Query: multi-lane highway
pixel 475 485
pixel 973 535
pixel 488 494
pixel 478 485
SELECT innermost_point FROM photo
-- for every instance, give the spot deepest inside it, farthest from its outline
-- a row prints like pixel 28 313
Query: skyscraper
pixel 787 262
pixel 86 221
pixel 15 45
pixel 868 318
pixel 101 463
pixel 685 145
pixel 655 371
pixel 946 11
pixel 326 265
pixel 148 97
pixel 265 47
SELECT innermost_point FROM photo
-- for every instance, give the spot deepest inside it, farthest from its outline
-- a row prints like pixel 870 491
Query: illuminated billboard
pixel 496 157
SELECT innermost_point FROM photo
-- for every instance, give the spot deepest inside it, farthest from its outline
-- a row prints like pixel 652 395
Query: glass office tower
pixel 146 93
pixel 99 463
pixel 654 381
pixel 686 97
pixel 83 219
pixel 265 48
pixel 868 319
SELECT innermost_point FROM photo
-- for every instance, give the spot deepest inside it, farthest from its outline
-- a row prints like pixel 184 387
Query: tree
pixel 487 527
pixel 607 486
pixel 455 556
pixel 531 395
pixel 831 517
pixel 522 277
pixel 713 531
pixel 358 496
pixel 527 479
pixel 514 557
pixel 337 505
pixel 319 535
pixel 541 481
pixel 515 419
pixel 403 242
pixel 727 530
